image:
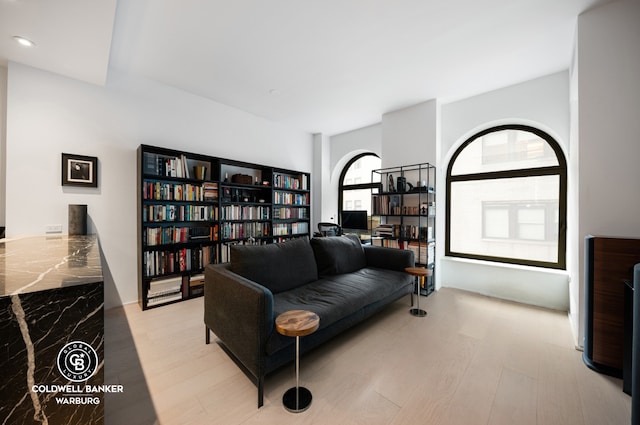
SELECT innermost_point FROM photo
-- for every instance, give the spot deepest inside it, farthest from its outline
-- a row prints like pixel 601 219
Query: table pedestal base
pixel 297 399
pixel 418 312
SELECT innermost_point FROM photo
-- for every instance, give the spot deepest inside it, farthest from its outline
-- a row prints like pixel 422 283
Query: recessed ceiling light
pixel 24 41
pixel 274 92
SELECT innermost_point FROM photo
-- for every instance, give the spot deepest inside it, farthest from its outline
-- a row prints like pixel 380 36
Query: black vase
pixel 77 219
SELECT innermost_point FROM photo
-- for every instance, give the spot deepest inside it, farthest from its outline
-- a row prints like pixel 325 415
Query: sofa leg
pixel 260 391
pixel 207 335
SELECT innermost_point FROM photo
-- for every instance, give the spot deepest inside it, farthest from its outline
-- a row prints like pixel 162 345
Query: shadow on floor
pixel 122 367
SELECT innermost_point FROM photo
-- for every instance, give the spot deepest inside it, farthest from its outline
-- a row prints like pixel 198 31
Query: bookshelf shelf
pixel 193 207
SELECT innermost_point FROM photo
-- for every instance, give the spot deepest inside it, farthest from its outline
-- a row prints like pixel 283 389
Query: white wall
pixel 322 198
pixel 342 148
pixel 347 145
pixel 3 143
pixel 542 103
pixel 576 297
pixel 409 135
pixel 608 109
pixel 48 114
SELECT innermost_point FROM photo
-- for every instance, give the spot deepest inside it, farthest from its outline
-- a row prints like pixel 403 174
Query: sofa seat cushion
pixel 335 297
pixel 279 267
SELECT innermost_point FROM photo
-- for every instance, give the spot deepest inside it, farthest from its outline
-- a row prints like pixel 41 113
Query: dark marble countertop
pixel 38 263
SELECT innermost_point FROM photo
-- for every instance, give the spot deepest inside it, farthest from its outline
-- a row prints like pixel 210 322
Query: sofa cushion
pixel 279 266
pixel 335 297
pixel 338 254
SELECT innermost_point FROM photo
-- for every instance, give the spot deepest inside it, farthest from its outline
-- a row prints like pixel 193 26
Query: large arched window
pixel 507 198
pixel 355 185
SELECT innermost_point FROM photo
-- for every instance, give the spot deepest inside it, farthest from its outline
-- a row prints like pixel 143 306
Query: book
pixel 164 298
pixel 166 285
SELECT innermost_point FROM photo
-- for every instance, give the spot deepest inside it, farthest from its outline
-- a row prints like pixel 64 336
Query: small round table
pixel 297 323
pixel 420 273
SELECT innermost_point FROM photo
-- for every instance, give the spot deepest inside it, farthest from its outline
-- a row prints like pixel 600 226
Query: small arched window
pixel 355 184
pixel 507 198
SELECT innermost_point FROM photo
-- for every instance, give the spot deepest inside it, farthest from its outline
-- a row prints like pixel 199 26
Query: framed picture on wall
pixel 79 170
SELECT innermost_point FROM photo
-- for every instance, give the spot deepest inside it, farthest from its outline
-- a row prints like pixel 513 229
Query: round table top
pixel 297 323
pixel 418 271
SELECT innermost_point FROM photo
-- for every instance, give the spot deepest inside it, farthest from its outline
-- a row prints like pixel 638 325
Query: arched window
pixel 507 198
pixel 355 185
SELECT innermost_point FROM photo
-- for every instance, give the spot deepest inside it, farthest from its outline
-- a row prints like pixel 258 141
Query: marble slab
pixel 45 262
pixel 56 298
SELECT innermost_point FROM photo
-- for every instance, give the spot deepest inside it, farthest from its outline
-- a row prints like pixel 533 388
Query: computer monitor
pixel 354 220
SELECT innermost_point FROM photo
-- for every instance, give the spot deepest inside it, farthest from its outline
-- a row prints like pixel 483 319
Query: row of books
pixel 283 181
pixel 245 230
pixel 424 253
pixel 225 248
pixel 173 166
pixel 391 205
pixel 406 231
pixel 287 198
pixel 386 204
pixel 283 229
pixel 163 191
pixel 284 238
pixel 245 212
pixel 157 263
pixel 190 212
pixel 289 212
pixel 152 236
pixel 160 165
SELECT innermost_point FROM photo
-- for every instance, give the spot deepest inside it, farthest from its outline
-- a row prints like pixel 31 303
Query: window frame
pixel 359 186
pixel 560 170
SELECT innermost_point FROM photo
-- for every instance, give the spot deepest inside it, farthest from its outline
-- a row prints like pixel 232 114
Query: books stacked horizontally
pixel 210 191
pixel 164 290
pixel 196 285
pixel 385 230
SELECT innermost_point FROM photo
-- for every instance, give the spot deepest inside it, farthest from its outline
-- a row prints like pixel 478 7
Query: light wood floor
pixel 472 360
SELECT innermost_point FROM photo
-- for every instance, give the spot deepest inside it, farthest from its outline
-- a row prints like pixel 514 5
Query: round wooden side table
pixel 419 273
pixel 297 323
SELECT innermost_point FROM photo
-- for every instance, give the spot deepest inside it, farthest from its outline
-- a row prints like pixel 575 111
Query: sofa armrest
pixel 240 313
pixel 388 258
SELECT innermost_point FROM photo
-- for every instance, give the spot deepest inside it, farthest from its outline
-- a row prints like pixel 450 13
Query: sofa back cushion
pixel 279 266
pixel 338 254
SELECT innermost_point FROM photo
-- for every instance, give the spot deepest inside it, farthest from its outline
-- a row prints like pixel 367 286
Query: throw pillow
pixel 279 266
pixel 338 254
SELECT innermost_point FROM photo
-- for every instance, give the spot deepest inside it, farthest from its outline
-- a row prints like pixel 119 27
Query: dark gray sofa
pixel 337 278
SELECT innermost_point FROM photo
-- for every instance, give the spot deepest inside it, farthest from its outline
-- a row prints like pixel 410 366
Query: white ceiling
pixel 324 66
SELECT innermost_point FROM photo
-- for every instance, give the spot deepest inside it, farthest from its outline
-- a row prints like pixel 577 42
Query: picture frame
pixel 226 193
pixel 79 170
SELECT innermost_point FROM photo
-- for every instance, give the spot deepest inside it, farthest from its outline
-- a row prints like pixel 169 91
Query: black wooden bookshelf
pixel 193 207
